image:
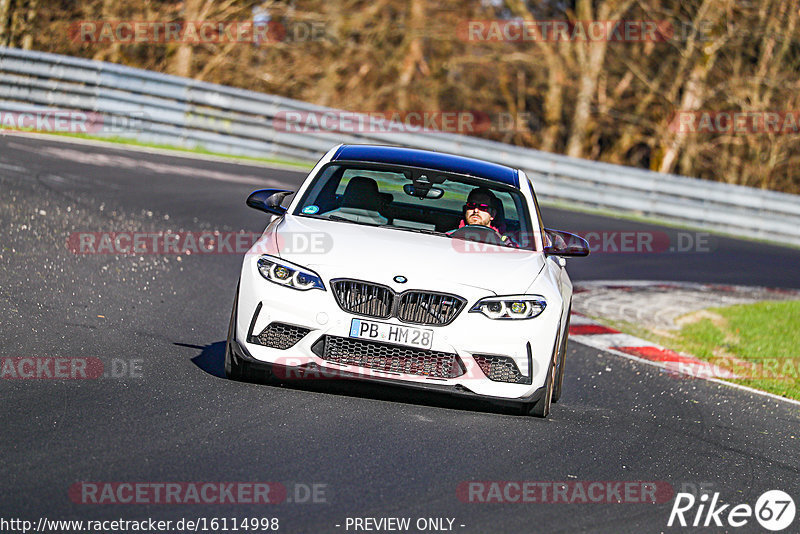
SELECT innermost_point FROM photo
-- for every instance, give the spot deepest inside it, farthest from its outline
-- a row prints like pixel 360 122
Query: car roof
pixel 428 160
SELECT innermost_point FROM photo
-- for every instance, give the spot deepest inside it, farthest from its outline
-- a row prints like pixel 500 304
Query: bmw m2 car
pixel 408 267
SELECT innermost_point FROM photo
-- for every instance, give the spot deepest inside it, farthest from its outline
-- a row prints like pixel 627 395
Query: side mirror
pixel 565 244
pixel 268 200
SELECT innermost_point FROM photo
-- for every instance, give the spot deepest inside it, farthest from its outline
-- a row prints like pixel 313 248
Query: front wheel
pixel 234 368
pixel 562 360
pixel 541 408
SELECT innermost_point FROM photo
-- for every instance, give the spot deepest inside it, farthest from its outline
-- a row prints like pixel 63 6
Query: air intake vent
pixel 500 369
pixel 389 358
pixel 280 336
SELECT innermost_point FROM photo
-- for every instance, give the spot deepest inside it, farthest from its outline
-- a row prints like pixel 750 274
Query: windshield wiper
pixel 406 228
pixel 342 219
pixel 417 230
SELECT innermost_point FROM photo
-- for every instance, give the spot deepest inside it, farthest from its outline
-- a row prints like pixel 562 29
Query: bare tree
pixel 607 101
pixel 29 26
pixel 6 9
pixel 694 87
pixel 591 61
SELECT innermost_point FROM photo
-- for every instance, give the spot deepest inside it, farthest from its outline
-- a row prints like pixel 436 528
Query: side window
pixel 321 193
pixel 510 210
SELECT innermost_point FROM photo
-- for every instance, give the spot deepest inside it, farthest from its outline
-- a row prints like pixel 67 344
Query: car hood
pixel 339 249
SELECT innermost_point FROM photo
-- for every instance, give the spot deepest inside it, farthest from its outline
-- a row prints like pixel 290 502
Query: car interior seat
pixel 499 221
pixel 361 202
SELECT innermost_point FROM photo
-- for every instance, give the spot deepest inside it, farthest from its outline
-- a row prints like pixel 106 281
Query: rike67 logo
pixel 774 510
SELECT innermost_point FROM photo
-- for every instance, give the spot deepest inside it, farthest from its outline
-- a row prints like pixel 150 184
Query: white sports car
pixel 412 267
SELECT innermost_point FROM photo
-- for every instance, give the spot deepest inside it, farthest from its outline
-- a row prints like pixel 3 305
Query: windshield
pixel 417 200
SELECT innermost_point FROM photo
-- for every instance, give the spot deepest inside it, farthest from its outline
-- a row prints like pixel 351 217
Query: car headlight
pixel 512 307
pixel 288 274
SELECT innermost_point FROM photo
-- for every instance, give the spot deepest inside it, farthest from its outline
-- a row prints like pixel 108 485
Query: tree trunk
pixel 29 29
pixel 181 65
pixel 415 57
pixel 591 59
pixel 5 22
pixel 694 93
pixel 691 101
pixel 553 100
pixel 591 65
pixel 112 53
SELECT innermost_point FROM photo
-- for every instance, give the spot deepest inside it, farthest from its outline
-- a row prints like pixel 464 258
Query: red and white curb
pixel 593 334
pixel 589 332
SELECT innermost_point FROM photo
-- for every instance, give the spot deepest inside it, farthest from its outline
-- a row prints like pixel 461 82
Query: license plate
pixel 392 333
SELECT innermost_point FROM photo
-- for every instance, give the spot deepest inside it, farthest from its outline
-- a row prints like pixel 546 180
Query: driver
pixel 481 210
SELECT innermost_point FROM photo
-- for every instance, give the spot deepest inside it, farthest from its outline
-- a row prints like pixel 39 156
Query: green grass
pixel 759 342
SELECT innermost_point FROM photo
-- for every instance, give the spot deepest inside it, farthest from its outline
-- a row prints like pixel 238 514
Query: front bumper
pixel 312 371
pixel 529 343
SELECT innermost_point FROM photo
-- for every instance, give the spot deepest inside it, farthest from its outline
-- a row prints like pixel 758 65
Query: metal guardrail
pixel 177 111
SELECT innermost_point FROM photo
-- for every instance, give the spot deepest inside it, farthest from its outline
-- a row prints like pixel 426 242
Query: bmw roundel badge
pixel 400 279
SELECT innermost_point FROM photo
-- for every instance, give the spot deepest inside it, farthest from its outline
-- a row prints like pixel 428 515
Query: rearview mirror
pixel 431 192
pixel 268 200
pixel 565 244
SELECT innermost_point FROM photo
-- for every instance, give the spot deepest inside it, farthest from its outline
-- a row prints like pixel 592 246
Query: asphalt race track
pixel 169 415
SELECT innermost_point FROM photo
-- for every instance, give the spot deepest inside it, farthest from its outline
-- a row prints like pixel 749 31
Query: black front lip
pixel 278 370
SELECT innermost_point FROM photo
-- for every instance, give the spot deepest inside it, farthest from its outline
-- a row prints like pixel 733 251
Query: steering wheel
pixel 479 233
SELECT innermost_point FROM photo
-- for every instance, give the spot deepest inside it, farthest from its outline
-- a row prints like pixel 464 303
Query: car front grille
pixel 500 369
pixel 414 306
pixel 280 335
pixel 389 358
pixel 363 298
pixel 422 307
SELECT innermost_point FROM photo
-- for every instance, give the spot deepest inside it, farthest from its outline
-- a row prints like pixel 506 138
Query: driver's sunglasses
pixel 475 206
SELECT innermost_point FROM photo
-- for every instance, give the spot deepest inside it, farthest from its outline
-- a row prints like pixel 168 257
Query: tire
pixel 562 360
pixel 234 369
pixel 541 408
